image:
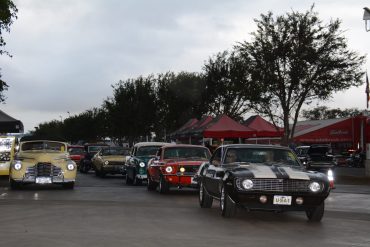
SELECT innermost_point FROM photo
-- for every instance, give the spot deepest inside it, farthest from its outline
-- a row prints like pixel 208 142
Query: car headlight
pixel 169 169
pixel 315 187
pixel 106 162
pixel 70 167
pixel 182 169
pixel 142 164
pixel 247 184
pixel 18 165
pixel 330 175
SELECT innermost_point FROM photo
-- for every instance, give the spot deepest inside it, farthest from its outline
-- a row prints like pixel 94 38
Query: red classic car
pixel 76 153
pixel 175 166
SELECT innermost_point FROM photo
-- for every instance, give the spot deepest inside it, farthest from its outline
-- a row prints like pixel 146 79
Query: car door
pixel 154 166
pixel 210 178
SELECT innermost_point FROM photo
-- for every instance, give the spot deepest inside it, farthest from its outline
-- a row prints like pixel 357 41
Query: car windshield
pixel 94 149
pixel 115 151
pixel 76 150
pixel 264 156
pixel 319 150
pixel 302 151
pixel 186 153
pixel 43 145
pixel 147 151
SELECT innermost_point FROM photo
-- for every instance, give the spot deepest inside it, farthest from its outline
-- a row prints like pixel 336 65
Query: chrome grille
pixel 189 170
pixel 43 170
pixel 277 185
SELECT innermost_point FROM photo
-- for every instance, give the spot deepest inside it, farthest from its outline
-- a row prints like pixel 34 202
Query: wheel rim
pixel 201 193
pixel 222 199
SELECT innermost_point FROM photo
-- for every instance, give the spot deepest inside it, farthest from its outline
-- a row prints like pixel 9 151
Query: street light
pixel 367 18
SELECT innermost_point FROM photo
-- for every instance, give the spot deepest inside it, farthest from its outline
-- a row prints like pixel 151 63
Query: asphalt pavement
pixel 106 212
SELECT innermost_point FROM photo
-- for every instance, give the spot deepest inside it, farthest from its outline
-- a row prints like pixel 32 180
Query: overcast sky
pixel 68 53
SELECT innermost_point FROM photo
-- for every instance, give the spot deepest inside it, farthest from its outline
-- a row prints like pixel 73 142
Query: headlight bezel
pixel 71 166
pixel 247 184
pixel 169 169
pixel 315 187
pixel 17 165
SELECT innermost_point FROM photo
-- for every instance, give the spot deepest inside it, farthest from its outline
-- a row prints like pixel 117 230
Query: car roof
pixel 141 144
pixel 183 145
pixel 254 146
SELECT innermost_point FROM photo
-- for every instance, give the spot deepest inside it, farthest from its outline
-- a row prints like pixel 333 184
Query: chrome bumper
pixel 143 176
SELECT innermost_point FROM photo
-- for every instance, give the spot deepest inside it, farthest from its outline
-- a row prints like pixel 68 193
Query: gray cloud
pixel 68 53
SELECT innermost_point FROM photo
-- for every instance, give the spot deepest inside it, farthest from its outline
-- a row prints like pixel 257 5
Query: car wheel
pixel 315 214
pixel 14 185
pixel 205 200
pixel 228 207
pixel 137 181
pixel 128 179
pixel 151 185
pixel 163 186
pixel 69 186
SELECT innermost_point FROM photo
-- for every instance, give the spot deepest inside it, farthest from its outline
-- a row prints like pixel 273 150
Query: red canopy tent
pixel 262 127
pixel 225 127
pixel 327 131
pixel 190 123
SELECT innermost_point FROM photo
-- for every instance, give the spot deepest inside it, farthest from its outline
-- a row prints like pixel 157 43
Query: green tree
pixel 295 59
pixel 179 98
pixel 323 112
pixel 8 13
pixel 132 110
pixel 227 85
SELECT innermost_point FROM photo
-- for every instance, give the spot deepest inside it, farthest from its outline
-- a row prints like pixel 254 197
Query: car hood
pixel 274 171
pixel 184 162
pixel 119 158
pixel 42 156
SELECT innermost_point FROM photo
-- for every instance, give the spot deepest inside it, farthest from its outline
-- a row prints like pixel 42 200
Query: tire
pixel 228 207
pixel 151 185
pixel 69 186
pixel 163 186
pixel 315 214
pixel 137 181
pixel 205 200
pixel 14 185
pixel 128 179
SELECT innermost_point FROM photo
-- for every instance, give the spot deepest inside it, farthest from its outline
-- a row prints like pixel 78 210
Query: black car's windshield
pixel 186 153
pixel 147 151
pixel 267 156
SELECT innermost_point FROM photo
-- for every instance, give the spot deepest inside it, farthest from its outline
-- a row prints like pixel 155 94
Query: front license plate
pixel 43 180
pixel 282 200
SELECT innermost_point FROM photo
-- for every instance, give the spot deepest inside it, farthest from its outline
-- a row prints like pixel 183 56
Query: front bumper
pixel 251 201
pixel 181 180
pixel 53 180
pixel 141 176
pixel 114 169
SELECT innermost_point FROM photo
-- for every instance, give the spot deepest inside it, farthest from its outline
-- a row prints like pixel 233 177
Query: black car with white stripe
pixel 261 177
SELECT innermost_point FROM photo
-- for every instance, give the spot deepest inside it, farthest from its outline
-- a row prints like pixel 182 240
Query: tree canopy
pixel 294 59
pixel 8 13
pixel 323 112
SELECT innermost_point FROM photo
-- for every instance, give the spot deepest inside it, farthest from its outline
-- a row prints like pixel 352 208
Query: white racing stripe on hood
pixel 262 171
pixel 294 174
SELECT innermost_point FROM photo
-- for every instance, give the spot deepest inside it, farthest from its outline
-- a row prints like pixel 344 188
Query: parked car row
pixel 254 177
pixel 321 157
